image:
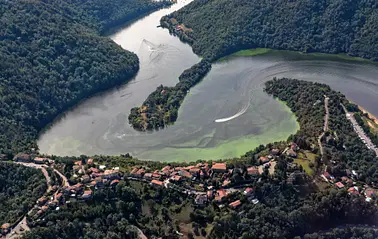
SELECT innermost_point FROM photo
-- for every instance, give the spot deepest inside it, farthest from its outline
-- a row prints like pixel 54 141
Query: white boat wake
pixel 241 112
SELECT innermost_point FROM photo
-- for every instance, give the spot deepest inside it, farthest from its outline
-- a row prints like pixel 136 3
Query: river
pixel 224 116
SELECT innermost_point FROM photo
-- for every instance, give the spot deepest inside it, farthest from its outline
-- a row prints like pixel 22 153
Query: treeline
pixel 161 107
pixel 103 15
pixel 365 126
pixel 20 187
pixel 114 212
pixel 341 143
pixel 51 57
pixel 320 211
pixel 221 27
pixel 345 232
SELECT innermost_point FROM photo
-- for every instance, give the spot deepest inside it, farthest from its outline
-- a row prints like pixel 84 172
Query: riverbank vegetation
pixel 51 57
pixel 343 149
pixel 161 107
pixel 20 187
pixel 219 28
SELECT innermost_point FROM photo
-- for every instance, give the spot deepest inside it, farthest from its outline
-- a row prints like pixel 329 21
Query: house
pixel 78 163
pixel 370 193
pixel 39 160
pixel 140 173
pixel 23 158
pixel 148 175
pixel 185 174
pixel 133 172
pixel 219 168
pixel 340 185
pixel 291 153
pixel 90 161
pixel 157 183
pixel 226 182
pixel 87 194
pixel 176 178
pixel 76 188
pixel 353 191
pixel 294 146
pixel 42 201
pixel 58 197
pixel 5 228
pixel 263 160
pixel 201 199
pixel 166 168
pixel 275 151
pixel 156 176
pixel 111 174
pixel 220 195
pixel 248 191
pixel 253 171
pixel 194 171
pixel 235 204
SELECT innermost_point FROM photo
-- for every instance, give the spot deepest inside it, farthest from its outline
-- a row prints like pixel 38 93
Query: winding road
pixel 22 226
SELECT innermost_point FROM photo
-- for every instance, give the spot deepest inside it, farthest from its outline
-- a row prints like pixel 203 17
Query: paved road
pixel 360 132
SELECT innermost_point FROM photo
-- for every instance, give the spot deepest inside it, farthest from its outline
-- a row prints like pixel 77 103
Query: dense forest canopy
pixel 20 187
pixel 220 27
pixel 51 56
pixel 161 106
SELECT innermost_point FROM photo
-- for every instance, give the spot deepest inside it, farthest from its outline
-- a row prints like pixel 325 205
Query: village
pixel 205 182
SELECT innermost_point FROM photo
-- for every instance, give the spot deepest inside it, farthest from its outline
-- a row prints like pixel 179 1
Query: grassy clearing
pixel 305 159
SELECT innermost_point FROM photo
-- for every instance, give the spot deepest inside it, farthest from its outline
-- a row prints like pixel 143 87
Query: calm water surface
pixel 232 91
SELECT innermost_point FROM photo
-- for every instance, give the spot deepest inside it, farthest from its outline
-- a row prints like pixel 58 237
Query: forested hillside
pixel 51 57
pixel 220 27
pixel 20 187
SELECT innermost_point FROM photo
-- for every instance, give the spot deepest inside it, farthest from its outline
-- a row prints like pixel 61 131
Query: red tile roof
pixel 264 159
pixel 253 170
pixel 219 166
pixel 235 204
pixel 157 182
pixel 353 190
pixel 339 185
pixel 226 182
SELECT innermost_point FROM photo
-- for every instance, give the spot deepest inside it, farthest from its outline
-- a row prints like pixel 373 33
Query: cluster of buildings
pixel 88 177
pixel 348 182
pixel 207 182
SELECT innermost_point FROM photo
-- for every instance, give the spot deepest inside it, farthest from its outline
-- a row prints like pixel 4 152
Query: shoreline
pixel 370 115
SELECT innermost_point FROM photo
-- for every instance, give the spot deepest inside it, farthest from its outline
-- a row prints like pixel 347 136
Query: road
pixel 360 132
pixel 325 127
pixel 64 179
pixel 22 227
